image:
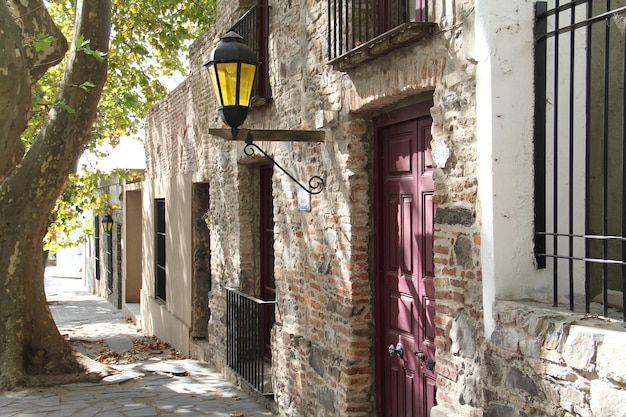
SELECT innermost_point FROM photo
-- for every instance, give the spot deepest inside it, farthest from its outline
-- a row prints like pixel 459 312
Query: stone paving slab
pixel 153 387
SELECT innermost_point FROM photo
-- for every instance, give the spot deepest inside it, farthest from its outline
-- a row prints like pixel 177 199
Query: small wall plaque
pixel 440 153
pixel 304 200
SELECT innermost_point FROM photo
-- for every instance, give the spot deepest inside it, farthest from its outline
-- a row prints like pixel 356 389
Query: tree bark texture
pixel 31 347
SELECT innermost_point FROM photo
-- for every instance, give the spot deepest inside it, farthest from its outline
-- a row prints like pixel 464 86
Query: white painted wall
pixel 505 103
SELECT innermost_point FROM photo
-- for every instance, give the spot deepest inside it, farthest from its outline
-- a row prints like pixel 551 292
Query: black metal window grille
pixel 253 26
pixel 96 239
pixel 109 252
pixel 245 338
pixel 160 279
pixel 354 22
pixel 580 150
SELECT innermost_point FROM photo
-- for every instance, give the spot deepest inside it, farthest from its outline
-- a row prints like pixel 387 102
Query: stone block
pixel 506 338
pixel 560 373
pixel 501 410
pixel 579 350
pixel 607 399
pixel 554 335
pixel 455 216
pixel 517 379
pixel 611 359
pixel 327 399
pixel 506 312
pixel 530 347
pixel 462 332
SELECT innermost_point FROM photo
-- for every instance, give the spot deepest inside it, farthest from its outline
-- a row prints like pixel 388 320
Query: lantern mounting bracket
pixel 316 183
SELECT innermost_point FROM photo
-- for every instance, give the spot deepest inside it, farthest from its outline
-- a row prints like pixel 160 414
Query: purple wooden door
pixel 406 379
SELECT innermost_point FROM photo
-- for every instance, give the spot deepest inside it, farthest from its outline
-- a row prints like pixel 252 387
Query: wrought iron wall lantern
pixel 107 223
pixel 232 67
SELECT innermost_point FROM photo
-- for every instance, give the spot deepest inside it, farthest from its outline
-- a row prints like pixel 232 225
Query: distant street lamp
pixel 107 223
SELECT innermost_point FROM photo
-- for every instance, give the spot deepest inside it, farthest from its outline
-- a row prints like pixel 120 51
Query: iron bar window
pixel 580 150
pixel 96 239
pixel 160 241
pixel 253 26
pixel 109 252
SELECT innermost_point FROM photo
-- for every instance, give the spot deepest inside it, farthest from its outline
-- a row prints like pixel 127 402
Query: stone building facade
pixel 488 351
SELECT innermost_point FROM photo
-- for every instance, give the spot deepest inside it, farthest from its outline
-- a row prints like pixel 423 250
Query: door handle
pixel 397 350
pixel 430 363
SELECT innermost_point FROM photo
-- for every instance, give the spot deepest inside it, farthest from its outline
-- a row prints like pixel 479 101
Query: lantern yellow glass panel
pixel 248 72
pixel 216 89
pixel 227 77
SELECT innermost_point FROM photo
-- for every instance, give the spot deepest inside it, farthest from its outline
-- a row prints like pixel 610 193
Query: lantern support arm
pixel 316 183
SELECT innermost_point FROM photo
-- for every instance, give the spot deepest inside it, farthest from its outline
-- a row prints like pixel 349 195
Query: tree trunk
pixel 31 348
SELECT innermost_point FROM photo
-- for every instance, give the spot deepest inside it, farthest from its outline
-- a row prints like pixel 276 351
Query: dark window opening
pixel 159 208
pixel 97 245
pixel 253 26
pixel 109 254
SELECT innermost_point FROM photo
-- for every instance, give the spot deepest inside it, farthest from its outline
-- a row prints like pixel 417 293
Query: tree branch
pixel 15 93
pixel 32 17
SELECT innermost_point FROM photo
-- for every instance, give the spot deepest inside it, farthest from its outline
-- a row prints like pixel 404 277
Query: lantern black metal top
pixel 232 68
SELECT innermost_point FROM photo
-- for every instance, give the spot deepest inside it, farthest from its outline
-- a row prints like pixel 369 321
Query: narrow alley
pixel 148 378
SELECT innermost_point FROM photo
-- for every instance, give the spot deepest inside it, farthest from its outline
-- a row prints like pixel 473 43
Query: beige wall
pixel 168 320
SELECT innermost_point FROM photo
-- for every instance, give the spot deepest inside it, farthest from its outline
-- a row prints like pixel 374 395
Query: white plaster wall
pixel 503 49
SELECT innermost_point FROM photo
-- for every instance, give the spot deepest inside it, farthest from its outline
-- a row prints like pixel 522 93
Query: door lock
pixel 430 363
pixel 398 350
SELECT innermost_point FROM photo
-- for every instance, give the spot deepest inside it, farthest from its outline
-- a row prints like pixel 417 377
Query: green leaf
pixel 80 42
pixel 96 54
pixel 87 85
pixel 43 41
pixel 62 105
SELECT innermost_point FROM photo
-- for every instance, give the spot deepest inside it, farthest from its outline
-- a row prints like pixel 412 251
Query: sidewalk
pixel 151 386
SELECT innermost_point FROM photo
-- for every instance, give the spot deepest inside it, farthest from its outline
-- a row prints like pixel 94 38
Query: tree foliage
pixel 149 44
pixel 54 105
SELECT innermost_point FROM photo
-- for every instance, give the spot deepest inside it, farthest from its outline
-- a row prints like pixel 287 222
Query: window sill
pixel 396 38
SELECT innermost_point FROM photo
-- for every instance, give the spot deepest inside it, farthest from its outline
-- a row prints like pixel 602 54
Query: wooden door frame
pixel 414 111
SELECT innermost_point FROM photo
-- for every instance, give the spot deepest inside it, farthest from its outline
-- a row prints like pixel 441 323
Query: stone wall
pixel 536 361
pixel 323 340
pixel 542 361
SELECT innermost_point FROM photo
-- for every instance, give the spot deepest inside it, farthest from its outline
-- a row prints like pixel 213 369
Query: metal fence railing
pixel 352 23
pixel 247 334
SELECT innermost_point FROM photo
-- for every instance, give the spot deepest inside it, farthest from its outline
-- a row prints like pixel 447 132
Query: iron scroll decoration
pixel 316 183
pixel 232 68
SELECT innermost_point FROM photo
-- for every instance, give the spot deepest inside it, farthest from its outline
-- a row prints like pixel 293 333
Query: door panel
pixel 405 270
